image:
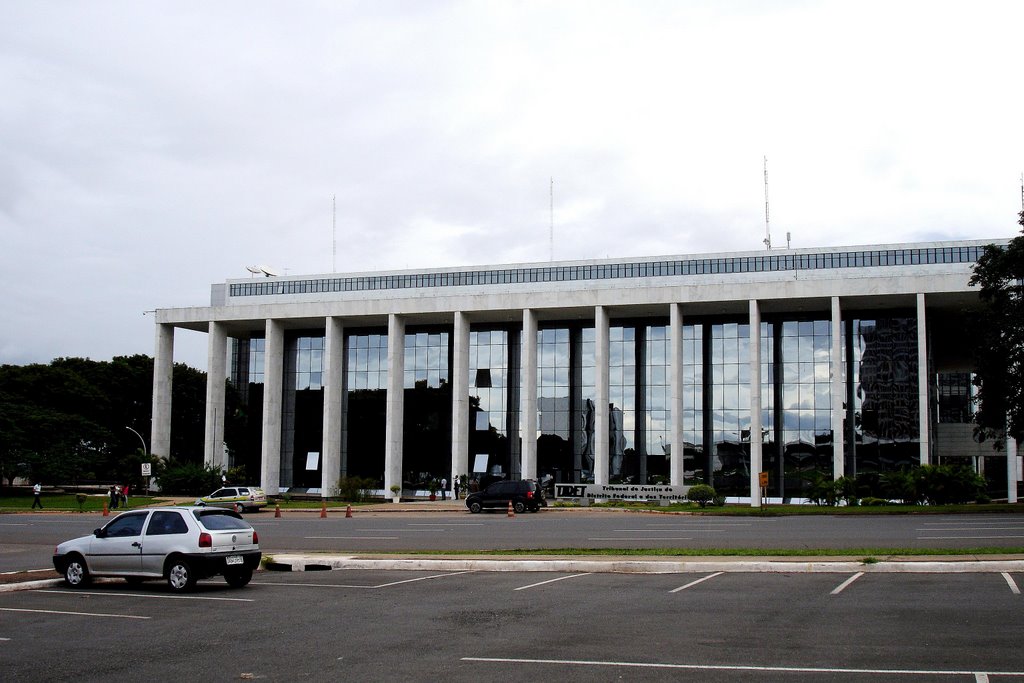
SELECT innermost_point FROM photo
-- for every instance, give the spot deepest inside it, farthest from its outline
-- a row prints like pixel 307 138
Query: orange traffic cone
pixel 348 511
pixel 106 512
pixel 323 509
pixel 277 510
pixel 511 512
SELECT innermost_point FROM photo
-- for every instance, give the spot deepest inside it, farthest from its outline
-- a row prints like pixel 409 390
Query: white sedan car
pixel 179 544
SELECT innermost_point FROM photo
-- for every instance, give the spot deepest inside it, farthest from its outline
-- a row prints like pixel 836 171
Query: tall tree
pixel 999 340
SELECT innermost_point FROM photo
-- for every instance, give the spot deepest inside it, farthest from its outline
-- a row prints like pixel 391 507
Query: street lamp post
pixel 145 451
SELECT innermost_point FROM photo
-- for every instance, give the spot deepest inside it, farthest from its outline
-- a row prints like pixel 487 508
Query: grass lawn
pixel 67 502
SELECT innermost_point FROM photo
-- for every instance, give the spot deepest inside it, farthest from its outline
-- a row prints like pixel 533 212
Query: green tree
pixel 999 341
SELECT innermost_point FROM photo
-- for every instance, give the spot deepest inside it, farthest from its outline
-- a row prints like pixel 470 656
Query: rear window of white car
pixel 218 520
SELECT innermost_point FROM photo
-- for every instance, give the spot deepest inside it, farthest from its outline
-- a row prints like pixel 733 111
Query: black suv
pixel 523 494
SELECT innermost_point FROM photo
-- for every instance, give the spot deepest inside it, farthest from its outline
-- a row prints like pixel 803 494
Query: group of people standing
pixel 118 496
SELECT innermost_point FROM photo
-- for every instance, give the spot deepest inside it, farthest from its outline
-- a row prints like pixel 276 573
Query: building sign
pixel 637 492
pixel 147 469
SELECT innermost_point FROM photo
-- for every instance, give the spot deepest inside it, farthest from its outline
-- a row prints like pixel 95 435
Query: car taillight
pixel 529 495
pixel 255 537
pixel 205 540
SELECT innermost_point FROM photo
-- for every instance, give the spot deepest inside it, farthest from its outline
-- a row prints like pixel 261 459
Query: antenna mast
pixel 767 229
pixel 334 233
pixel 552 214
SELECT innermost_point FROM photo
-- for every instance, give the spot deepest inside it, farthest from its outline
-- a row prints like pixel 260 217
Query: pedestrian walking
pixel 455 488
pixel 444 485
pixel 37 490
pixel 113 498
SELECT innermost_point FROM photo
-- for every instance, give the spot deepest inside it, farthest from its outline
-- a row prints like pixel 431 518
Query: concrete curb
pixel 29 585
pixel 298 563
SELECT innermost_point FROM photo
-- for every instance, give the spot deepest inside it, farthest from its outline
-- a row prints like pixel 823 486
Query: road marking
pixel 560 578
pixel 422 578
pixel 641 538
pixel 841 587
pixel 78 614
pixel 352 538
pixel 694 583
pixel 382 585
pixel 145 595
pixel 962 538
pixel 443 524
pixel 970 528
pixel 1011 583
pixel 978 675
pixel 26 571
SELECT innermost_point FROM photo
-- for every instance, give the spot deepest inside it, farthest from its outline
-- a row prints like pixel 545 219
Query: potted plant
pixel 433 486
pixel 396 491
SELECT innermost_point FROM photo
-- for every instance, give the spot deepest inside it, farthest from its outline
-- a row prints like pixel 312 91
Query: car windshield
pixel 217 520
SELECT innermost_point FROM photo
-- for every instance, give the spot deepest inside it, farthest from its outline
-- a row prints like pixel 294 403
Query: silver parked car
pixel 179 544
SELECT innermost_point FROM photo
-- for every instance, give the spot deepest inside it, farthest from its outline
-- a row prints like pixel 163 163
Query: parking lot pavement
pixel 573 626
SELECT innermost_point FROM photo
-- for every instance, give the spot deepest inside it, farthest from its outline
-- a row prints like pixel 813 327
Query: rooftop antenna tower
pixel 552 214
pixel 334 233
pixel 767 229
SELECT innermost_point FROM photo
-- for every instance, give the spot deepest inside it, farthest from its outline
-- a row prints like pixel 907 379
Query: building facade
pixel 680 370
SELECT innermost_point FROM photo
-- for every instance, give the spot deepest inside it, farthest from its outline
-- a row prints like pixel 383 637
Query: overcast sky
pixel 149 149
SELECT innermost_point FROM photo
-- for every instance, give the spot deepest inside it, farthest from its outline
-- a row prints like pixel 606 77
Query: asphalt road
pixel 471 626
pixel 27 540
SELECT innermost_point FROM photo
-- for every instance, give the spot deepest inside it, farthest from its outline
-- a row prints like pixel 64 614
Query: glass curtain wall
pixel 302 412
pixel 490 384
pixel 694 458
pixel 365 409
pixel 806 399
pixel 426 450
pixel 657 413
pixel 882 364
pixel 247 375
pixel 623 464
pixel 554 404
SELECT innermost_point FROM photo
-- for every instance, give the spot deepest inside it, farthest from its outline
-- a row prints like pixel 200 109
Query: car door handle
pixel 136 545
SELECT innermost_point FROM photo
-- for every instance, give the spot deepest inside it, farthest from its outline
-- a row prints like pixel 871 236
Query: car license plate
pixel 234 559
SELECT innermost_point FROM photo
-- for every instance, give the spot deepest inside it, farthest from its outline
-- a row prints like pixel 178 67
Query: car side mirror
pixel 99 533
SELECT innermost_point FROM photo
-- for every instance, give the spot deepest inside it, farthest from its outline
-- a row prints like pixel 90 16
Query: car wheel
pixel 519 507
pixel 76 574
pixel 475 507
pixel 179 575
pixel 237 578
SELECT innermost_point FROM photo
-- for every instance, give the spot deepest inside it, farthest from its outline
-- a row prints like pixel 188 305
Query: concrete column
pixel 1012 473
pixel 163 381
pixel 460 396
pixel 838 368
pixel 273 392
pixel 334 387
pixel 923 423
pixel 601 410
pixel 528 397
pixel 755 404
pixel 216 376
pixel 676 467
pixel 395 421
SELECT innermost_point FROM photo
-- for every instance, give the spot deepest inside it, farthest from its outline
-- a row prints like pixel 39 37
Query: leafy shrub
pixel 189 479
pixel 702 494
pixel 873 502
pixel 355 489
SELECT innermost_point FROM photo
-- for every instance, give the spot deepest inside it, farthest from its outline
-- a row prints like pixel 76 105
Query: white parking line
pixel 26 571
pixel 382 585
pixel 1011 583
pixel 642 538
pixel 77 614
pixel 979 676
pixel 841 587
pixel 694 583
pixel 443 524
pixel 949 529
pixel 560 578
pixel 145 595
